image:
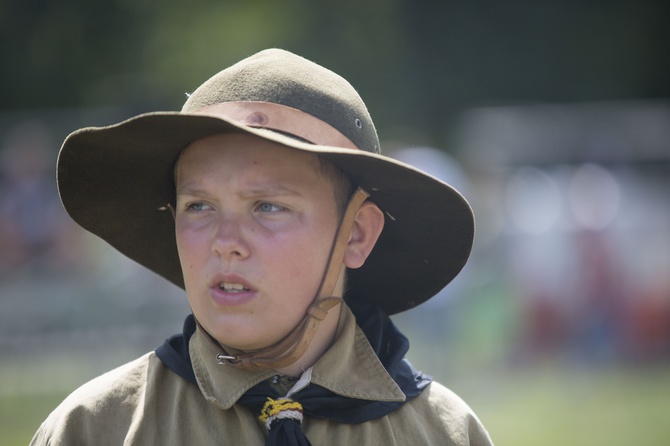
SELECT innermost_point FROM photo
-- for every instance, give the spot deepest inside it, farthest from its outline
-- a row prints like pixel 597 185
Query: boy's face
pixel 254 227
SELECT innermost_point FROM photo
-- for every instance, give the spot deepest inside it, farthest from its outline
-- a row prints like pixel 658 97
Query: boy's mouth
pixel 233 287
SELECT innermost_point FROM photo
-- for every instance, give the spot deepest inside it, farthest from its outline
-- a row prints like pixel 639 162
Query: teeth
pixel 232 286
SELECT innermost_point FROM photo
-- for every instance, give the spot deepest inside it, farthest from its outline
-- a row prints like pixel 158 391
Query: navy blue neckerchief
pixel 388 343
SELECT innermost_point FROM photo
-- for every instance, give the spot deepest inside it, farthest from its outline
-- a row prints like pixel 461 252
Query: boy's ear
pixel 365 231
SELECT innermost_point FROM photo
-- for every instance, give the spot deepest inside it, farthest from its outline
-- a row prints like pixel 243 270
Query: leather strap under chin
pixel 291 348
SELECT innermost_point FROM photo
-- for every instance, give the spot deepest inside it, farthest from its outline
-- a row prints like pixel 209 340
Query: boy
pixel 267 199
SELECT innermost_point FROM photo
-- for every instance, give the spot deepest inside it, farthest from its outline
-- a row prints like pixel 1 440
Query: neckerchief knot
pixel 282 418
pixel 280 409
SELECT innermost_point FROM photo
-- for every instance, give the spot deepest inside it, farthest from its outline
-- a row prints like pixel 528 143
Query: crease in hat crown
pixel 281 77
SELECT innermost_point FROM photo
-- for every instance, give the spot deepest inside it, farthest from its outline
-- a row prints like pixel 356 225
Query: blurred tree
pixel 416 63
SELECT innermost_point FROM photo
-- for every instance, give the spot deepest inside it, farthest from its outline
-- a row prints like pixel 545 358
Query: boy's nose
pixel 228 240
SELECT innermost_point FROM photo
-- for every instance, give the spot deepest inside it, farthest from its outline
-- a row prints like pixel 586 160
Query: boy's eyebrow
pixel 190 190
pixel 270 190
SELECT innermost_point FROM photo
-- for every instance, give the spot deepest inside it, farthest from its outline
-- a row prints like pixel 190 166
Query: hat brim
pixel 113 181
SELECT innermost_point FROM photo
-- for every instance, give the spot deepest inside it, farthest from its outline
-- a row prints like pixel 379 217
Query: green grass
pixel 21 415
pixel 559 406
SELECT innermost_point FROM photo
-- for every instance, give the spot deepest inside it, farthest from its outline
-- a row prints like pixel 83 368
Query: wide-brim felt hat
pixel 116 181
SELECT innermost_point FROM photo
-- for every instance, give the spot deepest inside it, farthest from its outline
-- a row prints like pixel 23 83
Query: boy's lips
pixel 231 290
pixel 233 287
pixel 230 282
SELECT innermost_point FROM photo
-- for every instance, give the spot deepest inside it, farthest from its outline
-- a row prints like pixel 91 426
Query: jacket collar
pixel 349 368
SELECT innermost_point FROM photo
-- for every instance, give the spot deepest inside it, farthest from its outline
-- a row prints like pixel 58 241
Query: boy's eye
pixel 195 207
pixel 269 207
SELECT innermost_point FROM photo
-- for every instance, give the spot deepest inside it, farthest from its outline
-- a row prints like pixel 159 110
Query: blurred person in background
pixel 33 225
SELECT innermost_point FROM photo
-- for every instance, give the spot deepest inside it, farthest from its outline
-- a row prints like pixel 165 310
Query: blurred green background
pixel 552 117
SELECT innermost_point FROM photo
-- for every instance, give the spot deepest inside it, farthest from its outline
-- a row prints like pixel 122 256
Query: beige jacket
pixel 144 403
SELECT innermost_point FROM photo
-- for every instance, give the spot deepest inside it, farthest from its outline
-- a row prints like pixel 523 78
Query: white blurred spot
pixel 533 200
pixel 437 163
pixel 593 196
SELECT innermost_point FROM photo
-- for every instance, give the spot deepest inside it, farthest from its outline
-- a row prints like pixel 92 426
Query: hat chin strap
pixel 288 350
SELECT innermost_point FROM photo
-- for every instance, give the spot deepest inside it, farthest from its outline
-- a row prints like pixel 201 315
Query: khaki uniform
pixel 144 402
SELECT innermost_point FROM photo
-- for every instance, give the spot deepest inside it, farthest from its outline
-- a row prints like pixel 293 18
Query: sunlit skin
pixel 254 226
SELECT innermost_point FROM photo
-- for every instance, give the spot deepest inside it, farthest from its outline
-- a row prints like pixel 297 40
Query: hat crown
pixel 281 77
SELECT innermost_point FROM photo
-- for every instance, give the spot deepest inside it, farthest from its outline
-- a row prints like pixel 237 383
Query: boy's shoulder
pixel 443 414
pixel 116 384
pixel 97 406
pixel 444 401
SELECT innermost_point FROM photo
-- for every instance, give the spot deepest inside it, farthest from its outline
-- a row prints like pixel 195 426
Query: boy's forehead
pixel 205 153
pixel 225 146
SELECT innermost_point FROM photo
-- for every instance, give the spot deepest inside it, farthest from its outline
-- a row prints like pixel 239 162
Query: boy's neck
pixel 323 339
